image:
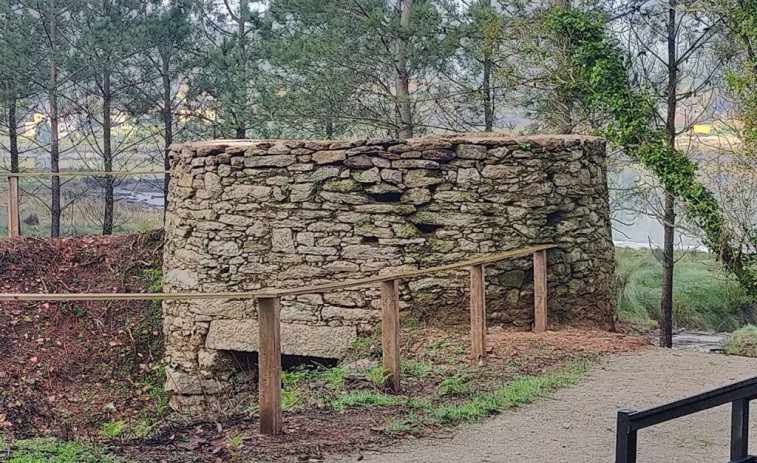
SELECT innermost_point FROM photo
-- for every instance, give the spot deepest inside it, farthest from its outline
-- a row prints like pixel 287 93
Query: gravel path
pixel 577 424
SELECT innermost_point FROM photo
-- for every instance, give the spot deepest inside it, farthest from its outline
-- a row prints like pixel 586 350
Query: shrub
pixel 742 342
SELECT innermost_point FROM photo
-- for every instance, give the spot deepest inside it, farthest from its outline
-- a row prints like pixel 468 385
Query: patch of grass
pixel 460 384
pixel 334 378
pixel 235 441
pixel 295 378
pixel 396 427
pixel 704 441
pixel 365 347
pixel 742 342
pixel 112 429
pixel 475 407
pixel 362 398
pixel 378 375
pixel 704 298
pixel 419 369
pixel 52 451
pixel 291 399
pixel 518 392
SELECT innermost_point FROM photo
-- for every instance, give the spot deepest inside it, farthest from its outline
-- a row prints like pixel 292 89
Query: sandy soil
pixel 577 424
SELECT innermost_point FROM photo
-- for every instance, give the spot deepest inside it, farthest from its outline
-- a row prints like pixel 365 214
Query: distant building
pixel 702 129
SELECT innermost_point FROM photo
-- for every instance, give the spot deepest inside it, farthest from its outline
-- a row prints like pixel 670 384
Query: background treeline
pixel 112 83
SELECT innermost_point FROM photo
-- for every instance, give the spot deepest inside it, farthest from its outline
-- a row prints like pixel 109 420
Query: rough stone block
pixel 296 339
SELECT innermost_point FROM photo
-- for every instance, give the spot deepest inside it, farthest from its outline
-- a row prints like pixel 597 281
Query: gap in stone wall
pixel 428 229
pixel 390 197
pixel 247 362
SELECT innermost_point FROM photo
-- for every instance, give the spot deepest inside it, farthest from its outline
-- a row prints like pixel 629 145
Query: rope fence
pixel 269 322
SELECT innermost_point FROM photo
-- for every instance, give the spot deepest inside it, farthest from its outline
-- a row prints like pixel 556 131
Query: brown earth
pixel 67 368
pixel 91 371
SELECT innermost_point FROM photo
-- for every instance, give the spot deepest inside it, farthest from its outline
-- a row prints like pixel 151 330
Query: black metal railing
pixel 738 394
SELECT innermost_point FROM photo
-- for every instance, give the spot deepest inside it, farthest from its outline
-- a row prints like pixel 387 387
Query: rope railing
pixel 86 173
pixel 269 323
pixel 14 223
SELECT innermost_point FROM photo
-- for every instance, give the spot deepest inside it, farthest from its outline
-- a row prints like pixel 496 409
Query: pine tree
pixel 111 35
pixel 18 73
pixel 391 55
pixel 165 64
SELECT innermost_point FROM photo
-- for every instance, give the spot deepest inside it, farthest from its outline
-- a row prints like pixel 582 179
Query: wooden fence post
pixel 269 363
pixel 540 291
pixel 390 331
pixel 478 311
pixel 14 227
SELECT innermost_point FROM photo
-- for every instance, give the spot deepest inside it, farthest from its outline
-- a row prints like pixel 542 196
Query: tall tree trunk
pixel 13 137
pixel 488 100
pixel 244 12
pixel 13 133
pixel 669 219
pixel 487 90
pixel 167 125
pixel 55 208
pixel 107 156
pixel 564 108
pixel 401 78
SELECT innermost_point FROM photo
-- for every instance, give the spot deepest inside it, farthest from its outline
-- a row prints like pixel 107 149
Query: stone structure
pixel 251 214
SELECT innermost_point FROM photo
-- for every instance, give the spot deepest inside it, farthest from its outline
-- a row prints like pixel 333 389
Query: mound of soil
pixel 66 368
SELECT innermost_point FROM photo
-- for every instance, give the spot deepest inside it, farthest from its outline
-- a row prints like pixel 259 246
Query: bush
pixel 742 342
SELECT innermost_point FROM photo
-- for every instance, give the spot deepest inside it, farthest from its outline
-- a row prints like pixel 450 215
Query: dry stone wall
pixel 251 214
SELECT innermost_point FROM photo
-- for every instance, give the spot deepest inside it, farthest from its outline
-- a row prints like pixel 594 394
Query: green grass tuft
pixel 459 384
pixel 742 342
pixel 419 369
pixel 334 378
pixel 51 451
pixel 362 398
pixel 518 392
pixel 113 429
pixel 378 375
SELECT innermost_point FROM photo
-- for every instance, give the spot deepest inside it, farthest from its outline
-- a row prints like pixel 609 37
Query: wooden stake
pixel 390 331
pixel 14 227
pixel 269 363
pixel 540 291
pixel 478 311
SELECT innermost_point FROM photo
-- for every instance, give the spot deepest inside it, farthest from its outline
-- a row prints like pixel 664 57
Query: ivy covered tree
pixel 602 85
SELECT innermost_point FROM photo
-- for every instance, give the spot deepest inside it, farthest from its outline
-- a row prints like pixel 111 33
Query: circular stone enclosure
pixel 251 214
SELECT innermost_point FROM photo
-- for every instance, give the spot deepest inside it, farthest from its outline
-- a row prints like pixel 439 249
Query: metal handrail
pixel 738 394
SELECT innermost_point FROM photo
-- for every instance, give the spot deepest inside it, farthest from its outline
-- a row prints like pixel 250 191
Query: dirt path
pixel 577 425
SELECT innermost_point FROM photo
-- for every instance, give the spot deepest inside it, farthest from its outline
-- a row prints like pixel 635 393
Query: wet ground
pixel 699 342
